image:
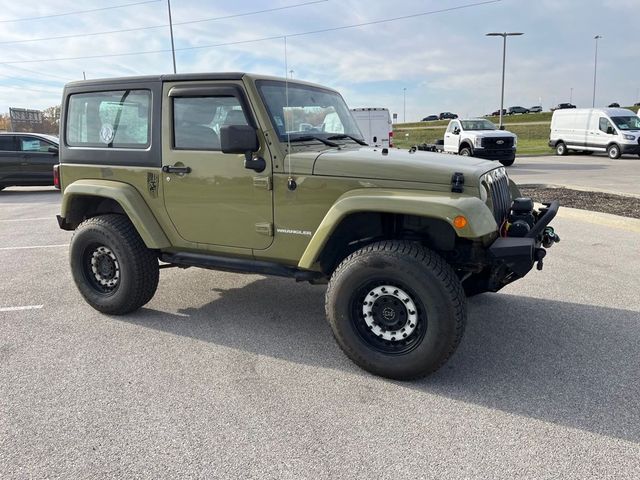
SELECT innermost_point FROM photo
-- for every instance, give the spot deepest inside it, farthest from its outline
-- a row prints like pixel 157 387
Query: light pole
pixel 173 48
pixel 571 96
pixel 595 70
pixel 504 56
pixel 404 105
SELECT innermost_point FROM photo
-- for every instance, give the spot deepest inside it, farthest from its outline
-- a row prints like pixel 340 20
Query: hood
pixel 400 165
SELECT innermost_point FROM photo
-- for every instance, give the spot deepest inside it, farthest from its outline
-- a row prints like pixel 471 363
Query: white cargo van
pixel 612 130
pixel 375 125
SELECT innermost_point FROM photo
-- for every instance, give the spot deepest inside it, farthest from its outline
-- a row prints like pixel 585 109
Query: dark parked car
pixel 430 118
pixel 27 159
pixel 563 106
pixel 497 112
pixel 447 116
pixel 514 110
pixel 614 105
pixel 535 109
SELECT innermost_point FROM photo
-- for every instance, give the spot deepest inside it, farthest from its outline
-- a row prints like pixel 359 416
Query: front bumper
pixel 629 148
pixel 513 257
pixel 495 153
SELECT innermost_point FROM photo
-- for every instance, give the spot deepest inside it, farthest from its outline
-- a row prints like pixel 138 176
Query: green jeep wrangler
pixel 247 173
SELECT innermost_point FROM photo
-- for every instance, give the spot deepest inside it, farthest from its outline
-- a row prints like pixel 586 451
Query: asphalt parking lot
pixel 592 172
pixel 237 376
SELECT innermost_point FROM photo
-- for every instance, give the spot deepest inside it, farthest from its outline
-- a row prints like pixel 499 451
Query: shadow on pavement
pixel 559 362
pixel 29 195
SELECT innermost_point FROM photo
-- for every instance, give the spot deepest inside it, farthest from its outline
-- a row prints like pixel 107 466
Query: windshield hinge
pixel 265 229
pixel 262 182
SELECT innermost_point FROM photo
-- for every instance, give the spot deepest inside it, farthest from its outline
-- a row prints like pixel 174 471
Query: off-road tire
pixel 429 282
pixel 137 266
pixel 613 151
pixel 507 162
pixel 561 149
pixel 465 152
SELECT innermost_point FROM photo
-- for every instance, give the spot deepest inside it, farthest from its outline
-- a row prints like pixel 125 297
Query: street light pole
pixel 173 48
pixel 571 96
pixel 595 70
pixel 504 36
pixel 404 105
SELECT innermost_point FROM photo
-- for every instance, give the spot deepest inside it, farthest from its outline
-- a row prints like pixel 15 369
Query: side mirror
pixel 53 150
pixel 456 131
pixel 238 139
pixel 611 131
pixel 242 139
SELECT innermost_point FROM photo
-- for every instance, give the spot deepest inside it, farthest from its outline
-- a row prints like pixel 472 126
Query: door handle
pixel 175 169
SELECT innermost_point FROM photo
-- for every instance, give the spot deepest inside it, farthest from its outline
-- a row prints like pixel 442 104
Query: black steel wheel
pixel 396 309
pixel 113 269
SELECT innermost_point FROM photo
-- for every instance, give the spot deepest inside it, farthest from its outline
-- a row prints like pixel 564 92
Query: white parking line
pixel 34 246
pixel 17 309
pixel 26 219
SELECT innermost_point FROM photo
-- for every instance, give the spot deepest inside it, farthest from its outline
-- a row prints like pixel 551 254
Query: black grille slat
pixel 500 198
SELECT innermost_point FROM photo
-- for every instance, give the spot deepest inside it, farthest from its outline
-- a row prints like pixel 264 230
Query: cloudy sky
pixel 443 59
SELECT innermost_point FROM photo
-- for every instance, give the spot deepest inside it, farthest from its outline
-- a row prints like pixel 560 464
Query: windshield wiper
pixel 342 137
pixel 307 138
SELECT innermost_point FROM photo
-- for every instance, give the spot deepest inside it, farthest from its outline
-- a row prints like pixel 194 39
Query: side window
pixel 605 125
pixel 33 144
pixel 114 119
pixel 7 144
pixel 197 121
pixel 452 127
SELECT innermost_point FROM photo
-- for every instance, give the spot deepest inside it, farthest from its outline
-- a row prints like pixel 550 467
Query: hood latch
pixel 457 182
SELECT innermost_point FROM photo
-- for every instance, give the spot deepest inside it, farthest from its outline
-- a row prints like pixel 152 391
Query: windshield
pixel 308 111
pixel 477 125
pixel 630 122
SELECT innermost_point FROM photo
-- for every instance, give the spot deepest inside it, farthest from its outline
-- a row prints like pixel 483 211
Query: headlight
pixel 629 137
pixel 515 141
pixel 477 142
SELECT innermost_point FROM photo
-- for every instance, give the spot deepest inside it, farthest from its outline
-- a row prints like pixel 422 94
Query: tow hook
pixel 538 256
pixel 549 237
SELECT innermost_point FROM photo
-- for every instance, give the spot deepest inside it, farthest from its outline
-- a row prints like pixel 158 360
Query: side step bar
pixel 239 265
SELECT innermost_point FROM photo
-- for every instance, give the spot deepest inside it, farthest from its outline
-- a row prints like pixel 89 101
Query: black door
pixel 9 161
pixel 36 161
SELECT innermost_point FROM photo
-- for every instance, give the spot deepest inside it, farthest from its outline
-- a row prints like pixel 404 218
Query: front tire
pixel 465 152
pixel 113 269
pixel 396 309
pixel 613 151
pixel 508 162
pixel 561 149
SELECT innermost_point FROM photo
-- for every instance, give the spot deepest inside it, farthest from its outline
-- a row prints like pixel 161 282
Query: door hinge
pixel 265 229
pixel 262 182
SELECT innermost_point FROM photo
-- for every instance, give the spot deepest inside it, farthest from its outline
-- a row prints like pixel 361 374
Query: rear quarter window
pixel 112 119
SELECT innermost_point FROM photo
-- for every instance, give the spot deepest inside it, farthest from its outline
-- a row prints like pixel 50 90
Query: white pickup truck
pixel 477 137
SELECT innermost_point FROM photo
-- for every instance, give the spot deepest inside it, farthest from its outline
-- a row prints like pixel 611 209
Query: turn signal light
pixel 460 222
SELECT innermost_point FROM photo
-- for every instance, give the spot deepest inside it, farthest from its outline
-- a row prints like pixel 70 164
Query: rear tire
pixel 113 269
pixel 561 149
pixel 613 151
pixel 396 309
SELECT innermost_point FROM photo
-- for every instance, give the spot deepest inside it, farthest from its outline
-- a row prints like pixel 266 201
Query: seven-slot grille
pixel 498 184
pixel 497 142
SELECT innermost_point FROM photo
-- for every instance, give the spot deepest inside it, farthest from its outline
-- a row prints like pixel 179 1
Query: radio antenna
pixel 286 94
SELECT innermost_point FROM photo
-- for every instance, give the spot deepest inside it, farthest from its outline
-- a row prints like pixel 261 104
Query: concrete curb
pixel 578 188
pixel 599 218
